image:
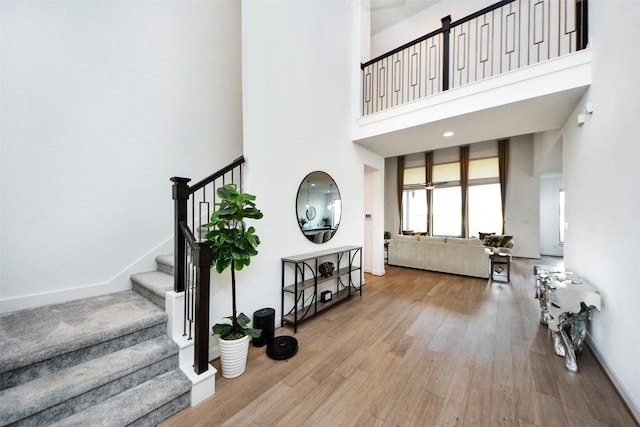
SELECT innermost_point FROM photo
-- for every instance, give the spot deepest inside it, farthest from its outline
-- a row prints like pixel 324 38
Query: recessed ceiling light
pixel 448 134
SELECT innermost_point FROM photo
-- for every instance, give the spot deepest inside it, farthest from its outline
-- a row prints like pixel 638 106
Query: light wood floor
pixel 419 349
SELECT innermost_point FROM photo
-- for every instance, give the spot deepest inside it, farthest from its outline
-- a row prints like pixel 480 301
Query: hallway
pixel 420 349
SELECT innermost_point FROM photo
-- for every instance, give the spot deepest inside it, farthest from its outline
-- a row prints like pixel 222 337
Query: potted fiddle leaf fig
pixel 233 244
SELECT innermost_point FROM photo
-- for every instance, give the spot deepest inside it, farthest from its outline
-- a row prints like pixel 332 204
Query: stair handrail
pixel 193 256
pixel 181 192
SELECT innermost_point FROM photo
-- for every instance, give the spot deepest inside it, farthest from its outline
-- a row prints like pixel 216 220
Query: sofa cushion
pixel 431 239
pixel 404 237
pixel 464 258
pixel 460 241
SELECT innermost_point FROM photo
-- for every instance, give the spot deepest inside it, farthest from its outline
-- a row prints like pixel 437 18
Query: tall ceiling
pixel 385 13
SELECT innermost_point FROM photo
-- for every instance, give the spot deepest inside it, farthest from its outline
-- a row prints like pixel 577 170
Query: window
pixel 562 224
pixel 337 212
pixel 414 206
pixel 414 201
pixel 447 199
pixel 485 209
pixel 447 211
pixel 484 203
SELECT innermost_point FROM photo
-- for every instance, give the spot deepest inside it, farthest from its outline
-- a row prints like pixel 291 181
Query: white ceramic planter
pixel 233 356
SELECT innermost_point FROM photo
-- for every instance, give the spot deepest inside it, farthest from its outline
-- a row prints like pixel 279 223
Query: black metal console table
pixel 312 290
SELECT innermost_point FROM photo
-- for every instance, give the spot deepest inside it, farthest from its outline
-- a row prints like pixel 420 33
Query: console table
pixel 314 285
pixel 566 302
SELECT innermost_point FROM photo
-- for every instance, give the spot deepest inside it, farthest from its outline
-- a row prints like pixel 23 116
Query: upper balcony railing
pixel 503 37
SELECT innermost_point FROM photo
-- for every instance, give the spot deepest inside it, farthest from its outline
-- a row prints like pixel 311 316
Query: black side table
pixel 499 263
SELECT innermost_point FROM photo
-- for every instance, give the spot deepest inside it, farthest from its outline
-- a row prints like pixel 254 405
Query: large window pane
pixel 414 207
pixel 337 212
pixel 562 226
pixel 447 211
pixel 485 209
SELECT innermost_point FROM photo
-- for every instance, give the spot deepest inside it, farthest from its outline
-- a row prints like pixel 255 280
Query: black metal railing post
pixel 446 33
pixel 180 192
pixel 582 24
pixel 202 257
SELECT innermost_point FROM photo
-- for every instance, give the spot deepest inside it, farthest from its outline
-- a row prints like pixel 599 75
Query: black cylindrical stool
pixel 264 319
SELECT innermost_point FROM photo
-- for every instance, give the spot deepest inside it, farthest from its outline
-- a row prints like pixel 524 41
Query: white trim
pixel 121 281
pixel 203 385
pixel 624 394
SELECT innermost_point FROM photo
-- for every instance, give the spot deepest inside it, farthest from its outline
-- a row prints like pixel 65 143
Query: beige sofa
pixel 466 257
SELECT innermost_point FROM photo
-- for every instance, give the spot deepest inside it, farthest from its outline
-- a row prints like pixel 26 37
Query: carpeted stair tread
pixel 78 387
pixel 154 285
pixel 147 404
pixel 34 335
pixel 165 263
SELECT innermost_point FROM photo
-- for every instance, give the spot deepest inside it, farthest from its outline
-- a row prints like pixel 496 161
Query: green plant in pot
pixel 233 244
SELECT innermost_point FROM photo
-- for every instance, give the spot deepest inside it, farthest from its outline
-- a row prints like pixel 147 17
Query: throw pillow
pixel 484 235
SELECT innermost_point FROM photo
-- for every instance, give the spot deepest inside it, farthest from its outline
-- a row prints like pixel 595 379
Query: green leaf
pixel 243 320
pixel 232 240
pixel 253 333
pixel 221 329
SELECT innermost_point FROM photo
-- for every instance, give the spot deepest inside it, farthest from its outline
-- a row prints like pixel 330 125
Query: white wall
pixel 423 23
pixel 103 102
pixel 523 202
pixel 602 196
pixel 550 187
pixel 547 152
pixel 298 59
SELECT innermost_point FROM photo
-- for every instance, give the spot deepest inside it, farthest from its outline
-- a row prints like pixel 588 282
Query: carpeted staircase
pixel 154 284
pixel 104 361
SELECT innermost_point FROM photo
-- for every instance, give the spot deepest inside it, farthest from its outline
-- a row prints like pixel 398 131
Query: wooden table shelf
pixel 302 281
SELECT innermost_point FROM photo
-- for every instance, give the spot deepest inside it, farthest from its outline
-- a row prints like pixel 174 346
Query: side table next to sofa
pixel 501 261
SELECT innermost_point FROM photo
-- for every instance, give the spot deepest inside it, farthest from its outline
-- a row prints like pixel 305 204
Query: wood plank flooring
pixel 419 349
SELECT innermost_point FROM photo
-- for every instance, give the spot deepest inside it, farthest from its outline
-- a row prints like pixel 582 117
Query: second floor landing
pixel 532 99
pixel 512 68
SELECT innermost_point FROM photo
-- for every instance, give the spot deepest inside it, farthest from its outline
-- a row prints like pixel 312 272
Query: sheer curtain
pixel 464 189
pixel 503 169
pixel 428 176
pixel 400 187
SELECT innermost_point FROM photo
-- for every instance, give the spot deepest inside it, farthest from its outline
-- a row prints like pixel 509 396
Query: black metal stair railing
pixel 502 37
pixel 193 206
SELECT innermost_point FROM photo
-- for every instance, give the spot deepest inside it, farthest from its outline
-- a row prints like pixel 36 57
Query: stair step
pixel 38 341
pixel 144 405
pixel 153 285
pixel 165 263
pixel 65 392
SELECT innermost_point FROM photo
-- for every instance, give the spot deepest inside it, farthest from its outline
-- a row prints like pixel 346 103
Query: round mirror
pixel 318 207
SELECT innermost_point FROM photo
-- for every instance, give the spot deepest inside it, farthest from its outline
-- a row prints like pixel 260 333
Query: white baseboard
pixel 378 272
pixel 121 281
pixel 633 407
